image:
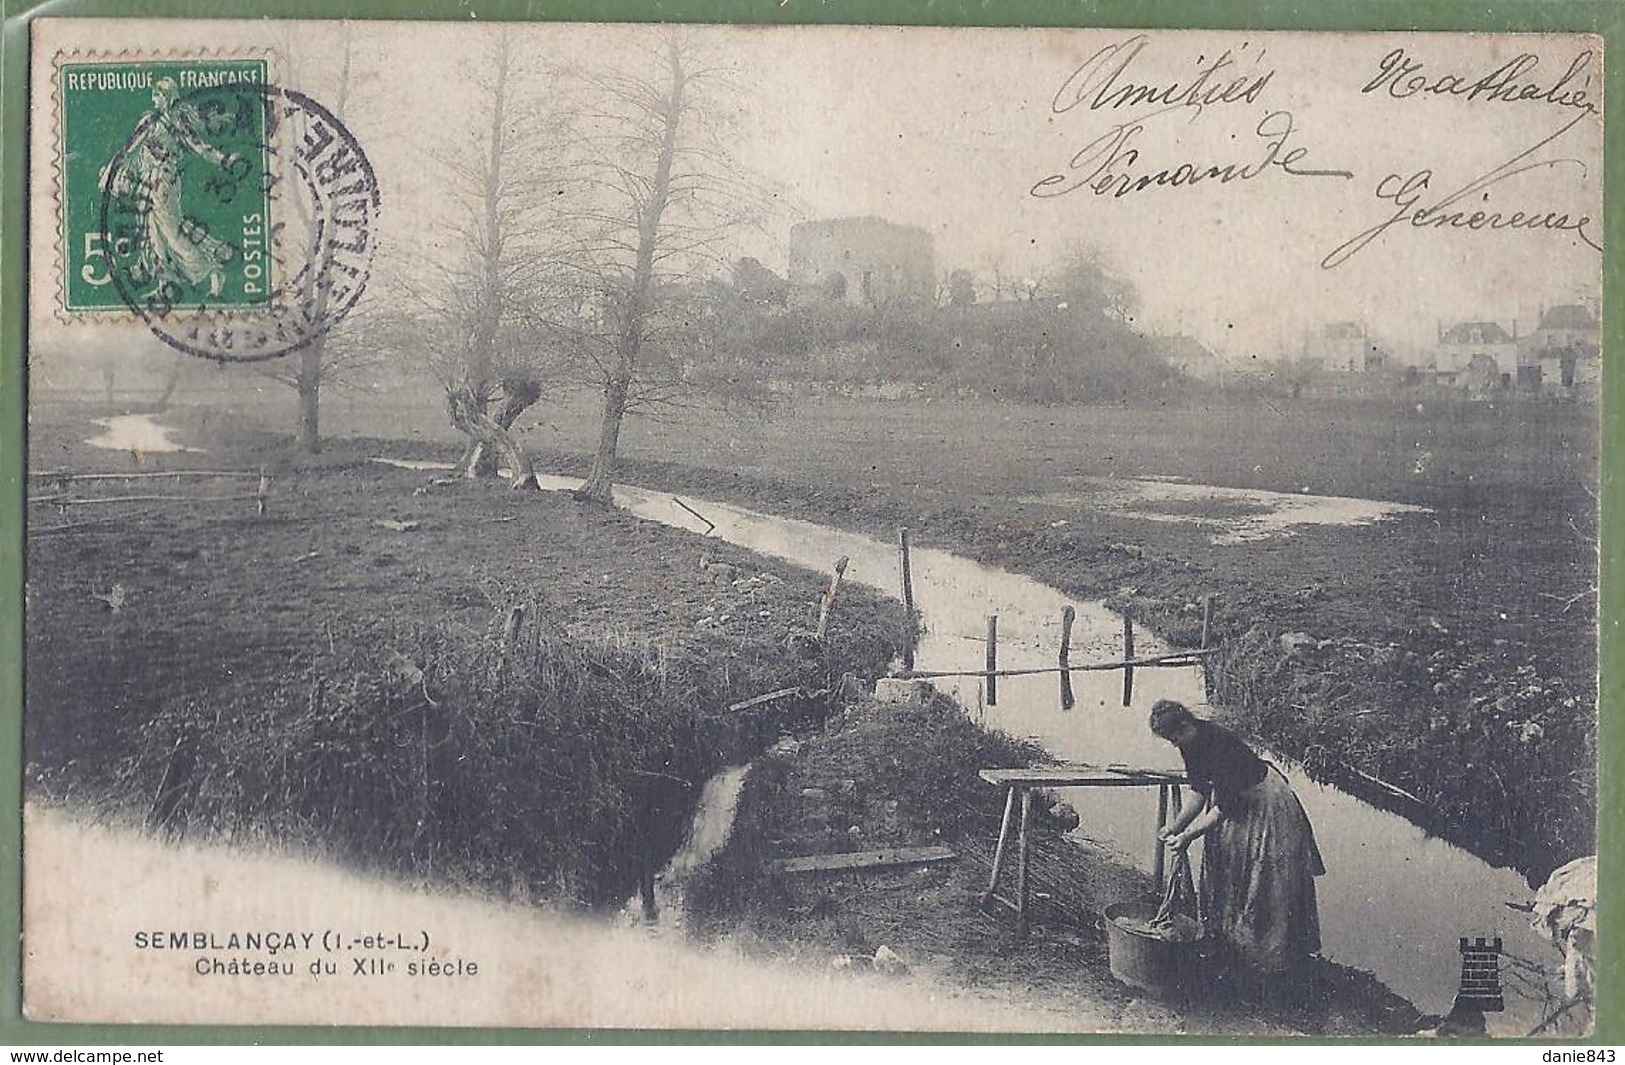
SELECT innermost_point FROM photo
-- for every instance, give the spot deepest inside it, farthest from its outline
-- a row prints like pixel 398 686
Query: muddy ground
pixel 338 671
pixel 141 615
pixel 1442 664
pixel 903 775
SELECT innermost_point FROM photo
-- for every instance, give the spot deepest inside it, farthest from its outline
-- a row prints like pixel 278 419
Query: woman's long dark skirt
pixel 1258 878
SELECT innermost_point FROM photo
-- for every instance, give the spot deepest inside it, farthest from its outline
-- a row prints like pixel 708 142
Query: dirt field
pixel 1452 674
pixel 312 675
pixel 1450 665
pixel 1451 652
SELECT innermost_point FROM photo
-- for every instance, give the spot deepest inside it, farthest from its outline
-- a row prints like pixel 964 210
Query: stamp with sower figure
pixel 234 217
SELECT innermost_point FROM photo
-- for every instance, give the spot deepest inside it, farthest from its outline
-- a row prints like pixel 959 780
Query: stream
pixel 1394 900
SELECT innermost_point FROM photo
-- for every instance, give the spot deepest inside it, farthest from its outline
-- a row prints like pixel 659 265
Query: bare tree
pixel 502 178
pixel 663 191
pixel 324 359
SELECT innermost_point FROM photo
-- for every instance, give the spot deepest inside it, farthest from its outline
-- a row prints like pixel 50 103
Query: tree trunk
pixel 490 440
pixel 479 372
pixel 618 389
pixel 601 481
pixel 310 394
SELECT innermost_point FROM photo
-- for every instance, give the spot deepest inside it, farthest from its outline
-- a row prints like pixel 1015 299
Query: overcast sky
pixel 952 130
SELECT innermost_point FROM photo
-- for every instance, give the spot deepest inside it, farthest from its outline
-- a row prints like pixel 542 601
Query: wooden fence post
pixel 1157 858
pixel 1128 657
pixel 1068 615
pixel 992 660
pixel 1207 618
pixel 829 598
pixel 908 597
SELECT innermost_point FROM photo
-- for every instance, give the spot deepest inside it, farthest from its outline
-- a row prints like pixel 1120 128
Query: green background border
pixel 1605 17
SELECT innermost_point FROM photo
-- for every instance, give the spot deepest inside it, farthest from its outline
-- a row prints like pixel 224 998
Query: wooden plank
pixel 1075 776
pixel 56 475
pixel 710 526
pixel 828 603
pixel 1128 659
pixel 863 861
pixel 770 697
pixel 908 597
pixel 1022 868
pixel 94 501
pixel 1172 660
pixel 1004 838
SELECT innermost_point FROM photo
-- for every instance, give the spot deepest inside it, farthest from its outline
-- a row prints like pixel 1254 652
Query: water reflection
pixel 1393 901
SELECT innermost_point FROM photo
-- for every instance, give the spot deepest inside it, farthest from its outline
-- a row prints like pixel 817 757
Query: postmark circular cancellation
pixel 237 220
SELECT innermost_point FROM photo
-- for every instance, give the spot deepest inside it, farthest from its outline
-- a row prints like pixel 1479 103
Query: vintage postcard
pixel 838 528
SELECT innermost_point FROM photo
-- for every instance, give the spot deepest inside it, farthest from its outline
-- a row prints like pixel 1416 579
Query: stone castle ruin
pixel 862 261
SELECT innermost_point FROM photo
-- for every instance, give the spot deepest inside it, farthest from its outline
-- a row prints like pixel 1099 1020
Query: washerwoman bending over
pixel 1259 857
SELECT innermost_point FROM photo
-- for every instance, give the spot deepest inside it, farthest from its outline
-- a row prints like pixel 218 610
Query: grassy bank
pixel 1449 669
pixel 314 676
pixel 1441 676
pixel 888 775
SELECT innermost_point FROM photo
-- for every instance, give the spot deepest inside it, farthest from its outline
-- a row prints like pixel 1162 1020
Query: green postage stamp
pixel 230 214
pixel 166 191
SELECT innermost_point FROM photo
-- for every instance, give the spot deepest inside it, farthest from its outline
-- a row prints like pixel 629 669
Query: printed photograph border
pixel 1607 20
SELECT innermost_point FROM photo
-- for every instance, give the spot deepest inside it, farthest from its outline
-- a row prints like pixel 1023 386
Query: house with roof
pixel 1563 353
pixel 1476 355
pixel 1345 347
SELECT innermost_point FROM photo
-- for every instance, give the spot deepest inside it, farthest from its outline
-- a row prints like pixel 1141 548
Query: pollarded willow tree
pixel 503 177
pixel 661 192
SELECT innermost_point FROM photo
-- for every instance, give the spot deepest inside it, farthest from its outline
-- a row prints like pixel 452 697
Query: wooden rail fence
pixel 990 673
pixel 58 491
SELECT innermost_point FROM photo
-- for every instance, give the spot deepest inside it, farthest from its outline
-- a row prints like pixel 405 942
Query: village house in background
pixel 862 261
pixel 1345 347
pixel 1566 349
pixel 1476 356
pixel 1560 357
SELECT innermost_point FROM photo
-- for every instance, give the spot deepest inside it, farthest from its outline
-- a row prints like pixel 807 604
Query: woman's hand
pixel 1177 841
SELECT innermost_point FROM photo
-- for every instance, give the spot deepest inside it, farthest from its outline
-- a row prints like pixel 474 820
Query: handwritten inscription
pixel 1113 164
pixel 1402 77
pixel 1110 164
pixel 1102 82
pixel 1411 197
pixel 1124 158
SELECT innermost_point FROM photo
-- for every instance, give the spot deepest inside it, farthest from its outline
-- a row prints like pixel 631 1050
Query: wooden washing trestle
pixel 1019 785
